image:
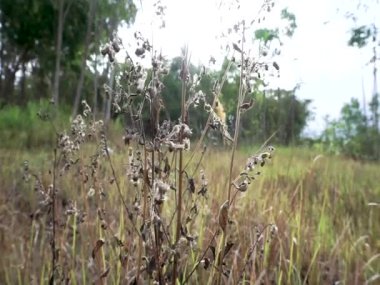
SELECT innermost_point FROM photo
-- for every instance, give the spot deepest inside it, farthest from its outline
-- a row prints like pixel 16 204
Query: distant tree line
pixel 275 112
pixel 356 133
pixel 47 45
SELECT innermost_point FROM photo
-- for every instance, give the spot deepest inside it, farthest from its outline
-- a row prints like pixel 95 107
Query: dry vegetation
pixel 324 209
pixel 163 209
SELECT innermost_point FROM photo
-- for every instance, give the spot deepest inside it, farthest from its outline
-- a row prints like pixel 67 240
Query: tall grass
pixel 326 211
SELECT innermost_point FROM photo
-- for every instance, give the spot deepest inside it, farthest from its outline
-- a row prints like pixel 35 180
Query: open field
pixel 126 142
pixel 326 211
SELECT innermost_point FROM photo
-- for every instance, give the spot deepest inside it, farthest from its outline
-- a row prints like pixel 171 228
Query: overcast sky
pixel 317 56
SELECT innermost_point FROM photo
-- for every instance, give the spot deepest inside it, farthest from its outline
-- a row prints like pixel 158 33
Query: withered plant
pixel 150 234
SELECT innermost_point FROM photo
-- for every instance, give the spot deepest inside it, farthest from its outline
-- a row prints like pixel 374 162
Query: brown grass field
pixel 326 212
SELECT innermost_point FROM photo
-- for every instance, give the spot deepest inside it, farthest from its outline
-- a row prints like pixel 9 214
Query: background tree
pixel 31 32
pixel 356 133
pixel 351 135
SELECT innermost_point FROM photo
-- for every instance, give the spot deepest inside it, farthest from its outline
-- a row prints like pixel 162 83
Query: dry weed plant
pixel 163 187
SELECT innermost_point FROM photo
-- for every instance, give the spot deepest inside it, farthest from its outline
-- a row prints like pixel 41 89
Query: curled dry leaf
pixel 276 66
pixel 98 245
pixel 103 274
pixel 227 249
pixel 205 263
pixel 223 215
pixel 246 106
pixel 236 47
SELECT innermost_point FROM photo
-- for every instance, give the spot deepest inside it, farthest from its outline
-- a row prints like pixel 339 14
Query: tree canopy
pixel 28 31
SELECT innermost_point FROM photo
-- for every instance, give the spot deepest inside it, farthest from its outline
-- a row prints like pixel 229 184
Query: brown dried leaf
pixel 227 249
pixel 246 106
pixel 98 245
pixel 276 66
pixel 236 47
pixel 223 215
pixel 105 273
pixel 118 241
pixel 206 263
pixel 102 275
pixel 105 50
pixel 140 51
pixel 212 248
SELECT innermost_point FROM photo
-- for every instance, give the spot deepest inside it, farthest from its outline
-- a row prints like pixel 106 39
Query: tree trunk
pixel 78 92
pixel 22 98
pixel 1 64
pixel 375 93
pixel 58 49
pixel 96 75
pixel 9 83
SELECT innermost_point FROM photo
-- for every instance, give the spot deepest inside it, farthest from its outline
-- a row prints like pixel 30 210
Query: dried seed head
pixel 236 47
pixel 86 108
pixel 116 43
pixel 103 225
pixel 186 143
pixel 91 192
pixel 206 263
pixel 111 55
pixel 219 110
pixel 140 51
pixel 246 106
pixel 273 230
pixel 105 50
pixel 191 185
pixel 243 186
pixel 276 66
pixel 186 131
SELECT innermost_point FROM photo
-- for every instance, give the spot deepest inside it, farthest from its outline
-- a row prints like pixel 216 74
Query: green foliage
pixel 28 31
pixel 172 92
pixel 353 134
pixel 277 111
pixel 274 111
pixel 27 24
pixel 266 35
pixel 23 128
pixel 360 36
pixel 291 18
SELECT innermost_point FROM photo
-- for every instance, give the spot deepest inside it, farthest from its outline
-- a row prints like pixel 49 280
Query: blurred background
pixel 324 94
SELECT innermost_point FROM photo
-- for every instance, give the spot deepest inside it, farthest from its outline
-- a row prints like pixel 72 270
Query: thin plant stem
pixel 200 259
pixel 145 201
pixel 251 249
pixel 157 227
pixel 181 168
pixel 54 215
pixel 199 162
pixel 237 122
pixel 234 146
pixel 118 187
